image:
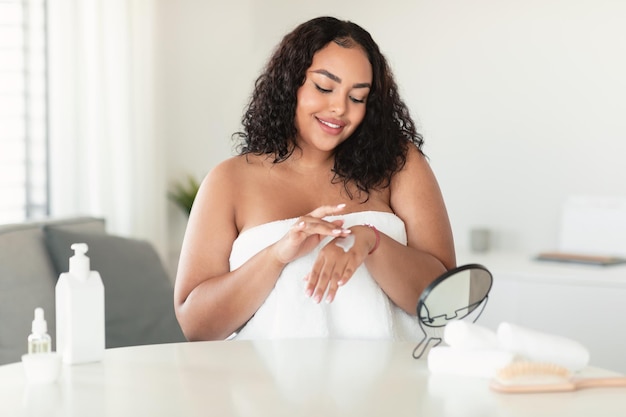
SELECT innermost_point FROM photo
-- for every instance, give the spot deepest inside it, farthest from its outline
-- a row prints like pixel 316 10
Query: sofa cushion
pixel 139 300
pixel 27 280
pixel 25 283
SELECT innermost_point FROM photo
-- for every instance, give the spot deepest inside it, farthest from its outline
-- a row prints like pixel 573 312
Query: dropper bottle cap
pixel 79 263
pixel 40 326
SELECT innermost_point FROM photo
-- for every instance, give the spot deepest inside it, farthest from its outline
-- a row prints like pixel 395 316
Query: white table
pixel 279 378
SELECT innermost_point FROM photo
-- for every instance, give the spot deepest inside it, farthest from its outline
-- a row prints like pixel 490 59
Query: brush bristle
pixel 532 373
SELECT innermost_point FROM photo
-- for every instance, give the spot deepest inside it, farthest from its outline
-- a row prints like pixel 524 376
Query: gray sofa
pixel 138 292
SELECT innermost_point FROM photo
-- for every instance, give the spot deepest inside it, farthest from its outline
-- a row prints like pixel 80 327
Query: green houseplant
pixel 183 193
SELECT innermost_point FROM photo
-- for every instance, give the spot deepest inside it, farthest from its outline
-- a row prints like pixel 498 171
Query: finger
pixel 311 282
pixel 322 282
pixel 324 211
pixel 333 286
pixel 299 229
pixel 347 273
pixel 317 280
pixel 315 226
pixel 312 278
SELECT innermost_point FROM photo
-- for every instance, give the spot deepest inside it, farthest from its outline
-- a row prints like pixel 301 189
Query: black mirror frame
pixel 427 292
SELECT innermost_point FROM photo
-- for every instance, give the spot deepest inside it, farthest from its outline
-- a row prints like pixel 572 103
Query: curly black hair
pixel 377 148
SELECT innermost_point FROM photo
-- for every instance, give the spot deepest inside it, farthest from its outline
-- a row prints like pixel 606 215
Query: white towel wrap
pixel 542 347
pixel 361 309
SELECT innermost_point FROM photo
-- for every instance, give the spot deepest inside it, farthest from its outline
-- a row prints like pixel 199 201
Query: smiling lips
pixel 333 127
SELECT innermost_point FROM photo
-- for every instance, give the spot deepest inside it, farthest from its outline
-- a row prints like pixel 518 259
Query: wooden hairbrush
pixel 534 377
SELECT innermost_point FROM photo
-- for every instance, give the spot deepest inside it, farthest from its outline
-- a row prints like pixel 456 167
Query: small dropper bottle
pixel 39 340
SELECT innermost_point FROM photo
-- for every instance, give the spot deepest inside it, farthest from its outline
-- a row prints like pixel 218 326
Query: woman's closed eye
pixel 323 90
pixel 326 91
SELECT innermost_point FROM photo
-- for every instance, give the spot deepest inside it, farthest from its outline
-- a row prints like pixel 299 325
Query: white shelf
pixel 520 266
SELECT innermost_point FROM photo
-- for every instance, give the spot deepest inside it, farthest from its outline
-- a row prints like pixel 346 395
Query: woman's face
pixel 331 102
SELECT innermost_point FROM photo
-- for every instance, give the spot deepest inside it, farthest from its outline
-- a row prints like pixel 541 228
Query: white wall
pixel 521 103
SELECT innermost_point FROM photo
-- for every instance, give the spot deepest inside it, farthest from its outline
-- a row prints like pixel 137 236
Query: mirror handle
pixel 421 346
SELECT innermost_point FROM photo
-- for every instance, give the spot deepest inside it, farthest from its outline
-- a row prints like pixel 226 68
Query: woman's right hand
pixel 307 232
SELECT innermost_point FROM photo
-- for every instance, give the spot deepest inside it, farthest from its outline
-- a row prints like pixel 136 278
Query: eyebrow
pixel 338 80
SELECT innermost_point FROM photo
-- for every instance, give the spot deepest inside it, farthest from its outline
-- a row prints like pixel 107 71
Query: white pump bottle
pixel 80 320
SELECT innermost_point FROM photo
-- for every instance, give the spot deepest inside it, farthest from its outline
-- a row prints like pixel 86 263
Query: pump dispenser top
pixel 79 263
pixel 39 326
pixel 39 340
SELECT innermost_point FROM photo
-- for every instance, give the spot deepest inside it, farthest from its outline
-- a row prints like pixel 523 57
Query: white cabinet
pixel 583 302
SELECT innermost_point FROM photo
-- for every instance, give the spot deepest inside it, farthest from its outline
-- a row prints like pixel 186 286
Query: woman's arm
pixel 404 271
pixel 211 301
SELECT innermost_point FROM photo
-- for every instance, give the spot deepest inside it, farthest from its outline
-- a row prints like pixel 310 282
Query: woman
pixel 330 222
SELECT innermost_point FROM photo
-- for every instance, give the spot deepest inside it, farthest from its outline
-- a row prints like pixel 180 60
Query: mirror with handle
pixel 455 295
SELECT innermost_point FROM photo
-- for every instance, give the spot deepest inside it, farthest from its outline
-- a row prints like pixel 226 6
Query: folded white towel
pixel 482 363
pixel 466 335
pixel 542 347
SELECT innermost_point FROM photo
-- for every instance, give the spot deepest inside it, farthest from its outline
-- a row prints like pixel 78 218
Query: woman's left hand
pixel 337 262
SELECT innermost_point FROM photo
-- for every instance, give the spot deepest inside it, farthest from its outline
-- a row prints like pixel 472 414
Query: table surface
pixel 280 378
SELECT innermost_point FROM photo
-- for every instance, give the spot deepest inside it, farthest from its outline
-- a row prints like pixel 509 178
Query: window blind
pixel 23 111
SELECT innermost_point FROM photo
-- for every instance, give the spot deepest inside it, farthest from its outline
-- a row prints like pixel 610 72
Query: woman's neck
pixel 311 162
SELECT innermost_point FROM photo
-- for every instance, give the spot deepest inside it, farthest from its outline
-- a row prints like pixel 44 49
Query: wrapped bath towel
pixel 360 310
pixel 543 347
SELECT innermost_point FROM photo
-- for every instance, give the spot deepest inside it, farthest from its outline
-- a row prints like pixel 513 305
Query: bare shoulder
pixel 415 159
pixel 417 199
pixel 415 185
pixel 232 189
pixel 416 170
pixel 228 168
pixel 230 173
pixel 217 193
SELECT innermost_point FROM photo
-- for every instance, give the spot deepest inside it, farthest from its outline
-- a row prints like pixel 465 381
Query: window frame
pixel 24 103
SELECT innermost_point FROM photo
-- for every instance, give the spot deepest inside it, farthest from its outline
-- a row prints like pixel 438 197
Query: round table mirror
pixel 460 293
